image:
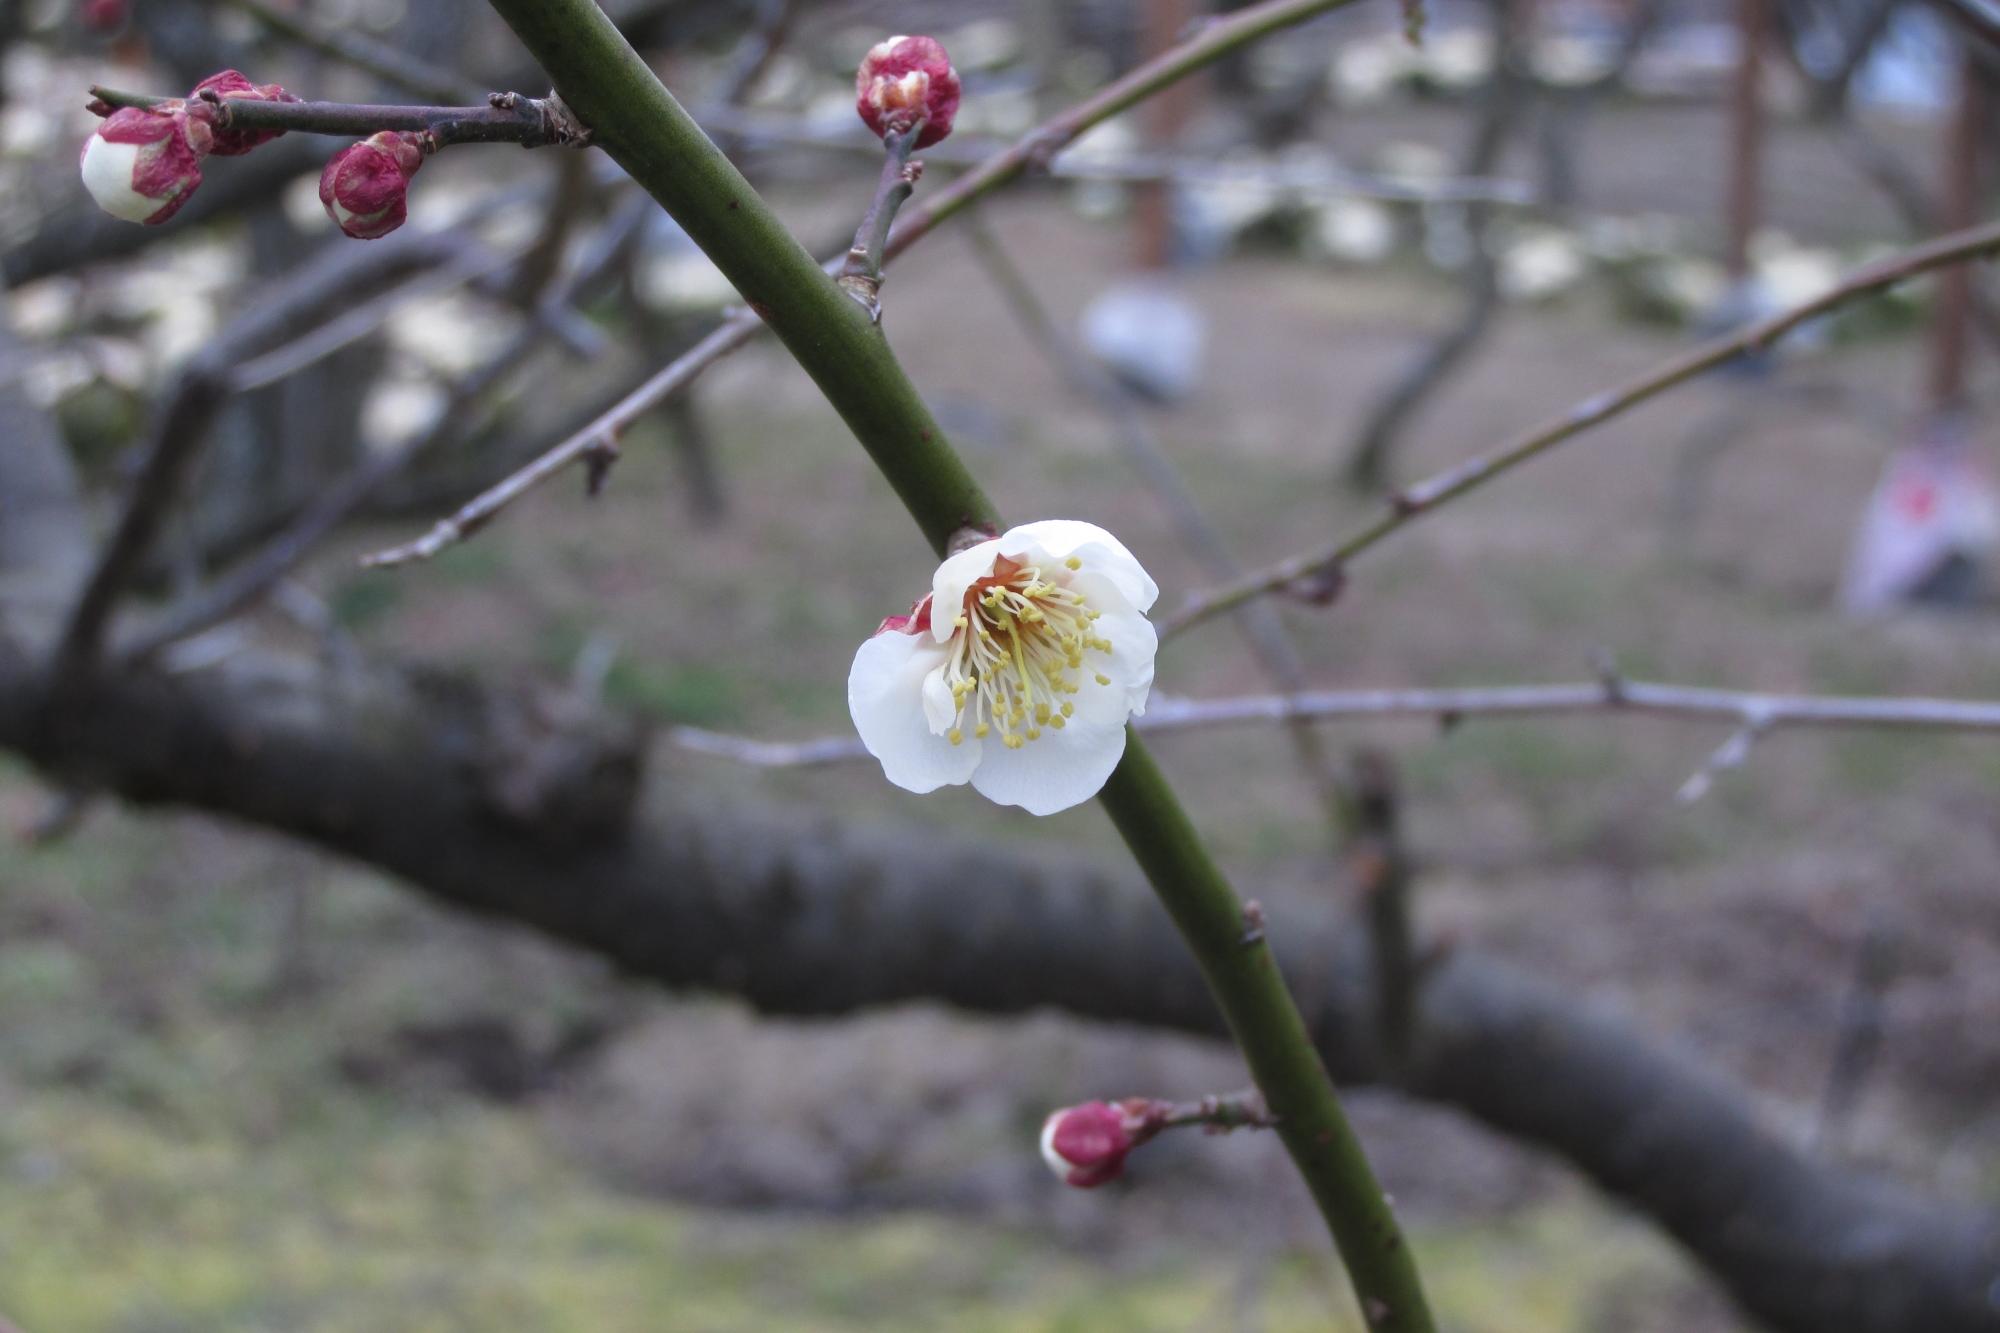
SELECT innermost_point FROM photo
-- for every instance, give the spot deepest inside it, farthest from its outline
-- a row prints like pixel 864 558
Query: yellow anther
pixel 1103 679
pixel 1034 733
pixel 1012 741
pixel 1057 722
pixel 1068 709
pixel 1041 712
pixel 959 621
pixel 1074 562
pixel 955 736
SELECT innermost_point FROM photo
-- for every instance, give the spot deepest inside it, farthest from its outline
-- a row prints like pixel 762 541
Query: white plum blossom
pixel 1016 673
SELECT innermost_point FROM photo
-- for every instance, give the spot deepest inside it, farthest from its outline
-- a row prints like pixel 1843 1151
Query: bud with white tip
pixel 144 163
pixel 366 186
pixel 905 80
pixel 1086 1145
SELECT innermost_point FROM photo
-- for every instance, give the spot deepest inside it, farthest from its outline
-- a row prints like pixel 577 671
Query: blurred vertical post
pixel 1746 135
pixel 1952 318
pixel 1164 116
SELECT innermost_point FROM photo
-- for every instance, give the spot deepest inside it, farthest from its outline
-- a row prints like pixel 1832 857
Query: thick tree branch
pixel 420 776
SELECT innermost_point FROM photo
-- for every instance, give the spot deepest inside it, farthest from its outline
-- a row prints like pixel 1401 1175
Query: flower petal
pixel 953 577
pixel 885 695
pixel 1061 769
pixel 1100 552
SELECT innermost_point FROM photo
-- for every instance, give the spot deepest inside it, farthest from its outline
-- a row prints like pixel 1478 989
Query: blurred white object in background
pixel 1149 336
pixel 1929 530
pixel 1354 231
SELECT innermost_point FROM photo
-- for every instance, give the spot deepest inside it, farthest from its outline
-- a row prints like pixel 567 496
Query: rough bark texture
pixel 524 807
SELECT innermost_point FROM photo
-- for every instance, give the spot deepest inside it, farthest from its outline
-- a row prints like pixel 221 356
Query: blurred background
pixel 247 1082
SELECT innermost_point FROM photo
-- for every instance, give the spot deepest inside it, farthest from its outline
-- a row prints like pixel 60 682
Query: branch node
pixel 1253 924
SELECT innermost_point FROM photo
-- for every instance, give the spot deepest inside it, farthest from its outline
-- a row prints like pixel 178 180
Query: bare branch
pixel 532 122
pixel 1754 711
pixel 1424 497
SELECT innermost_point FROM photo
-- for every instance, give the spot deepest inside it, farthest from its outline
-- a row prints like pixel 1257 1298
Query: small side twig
pixel 861 273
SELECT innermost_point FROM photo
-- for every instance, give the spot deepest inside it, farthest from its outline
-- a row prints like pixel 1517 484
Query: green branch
pixel 637 121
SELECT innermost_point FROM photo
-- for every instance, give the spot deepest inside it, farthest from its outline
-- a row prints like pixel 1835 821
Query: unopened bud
pixel 143 163
pixel 1086 1145
pixel 905 80
pixel 231 86
pixel 366 186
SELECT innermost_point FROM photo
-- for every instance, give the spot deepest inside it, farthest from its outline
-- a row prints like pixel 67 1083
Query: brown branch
pixel 531 122
pixel 1440 489
pixel 828 919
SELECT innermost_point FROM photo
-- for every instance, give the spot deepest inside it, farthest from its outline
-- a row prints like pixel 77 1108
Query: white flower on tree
pixel 1016 673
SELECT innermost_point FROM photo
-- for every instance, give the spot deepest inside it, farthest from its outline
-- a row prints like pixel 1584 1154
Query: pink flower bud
pixel 366 186
pixel 231 86
pixel 904 80
pixel 1086 1145
pixel 142 164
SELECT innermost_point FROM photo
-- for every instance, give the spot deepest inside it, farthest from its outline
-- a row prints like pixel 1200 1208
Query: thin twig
pixel 532 122
pixel 390 64
pixel 1432 493
pixel 594 440
pixel 861 272
pixel 1218 38
pixel 1767 712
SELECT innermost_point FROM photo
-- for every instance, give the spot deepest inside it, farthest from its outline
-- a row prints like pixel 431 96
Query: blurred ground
pixel 244 1088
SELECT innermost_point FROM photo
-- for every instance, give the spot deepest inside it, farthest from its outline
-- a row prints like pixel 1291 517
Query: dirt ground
pixel 245 1080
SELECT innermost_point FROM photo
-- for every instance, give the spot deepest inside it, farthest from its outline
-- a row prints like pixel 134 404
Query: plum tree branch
pixel 841 346
pixel 1431 494
pixel 531 122
pixel 1766 712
